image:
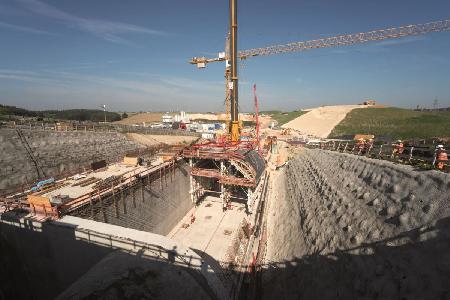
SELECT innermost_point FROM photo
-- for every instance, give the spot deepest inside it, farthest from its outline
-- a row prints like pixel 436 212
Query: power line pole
pixel 104 111
pixel 435 103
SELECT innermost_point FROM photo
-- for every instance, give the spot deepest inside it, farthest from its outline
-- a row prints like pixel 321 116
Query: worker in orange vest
pixel 441 157
pixel 398 148
pixel 360 145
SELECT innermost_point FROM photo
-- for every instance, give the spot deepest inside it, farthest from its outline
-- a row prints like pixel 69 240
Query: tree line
pixel 94 115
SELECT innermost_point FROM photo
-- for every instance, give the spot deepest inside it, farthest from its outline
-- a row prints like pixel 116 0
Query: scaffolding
pixel 231 170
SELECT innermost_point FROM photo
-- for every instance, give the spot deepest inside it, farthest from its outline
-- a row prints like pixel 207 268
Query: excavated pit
pixel 347 227
pixel 154 206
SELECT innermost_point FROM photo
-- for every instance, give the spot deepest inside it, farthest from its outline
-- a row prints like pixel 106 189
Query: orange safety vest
pixel 441 156
pixel 399 148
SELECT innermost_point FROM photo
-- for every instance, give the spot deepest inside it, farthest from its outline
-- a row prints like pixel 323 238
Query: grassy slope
pixel 283 117
pixel 395 123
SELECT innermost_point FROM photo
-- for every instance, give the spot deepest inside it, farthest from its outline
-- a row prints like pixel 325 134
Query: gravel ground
pixel 348 227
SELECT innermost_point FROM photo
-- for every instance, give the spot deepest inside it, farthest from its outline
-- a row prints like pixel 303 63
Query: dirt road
pixel 320 121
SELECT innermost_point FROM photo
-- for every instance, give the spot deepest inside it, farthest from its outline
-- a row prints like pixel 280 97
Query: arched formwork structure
pixel 233 173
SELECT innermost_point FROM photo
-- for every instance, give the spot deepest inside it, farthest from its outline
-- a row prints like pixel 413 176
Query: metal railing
pixel 424 156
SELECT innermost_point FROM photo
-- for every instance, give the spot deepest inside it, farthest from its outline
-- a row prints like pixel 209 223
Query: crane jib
pixel 340 40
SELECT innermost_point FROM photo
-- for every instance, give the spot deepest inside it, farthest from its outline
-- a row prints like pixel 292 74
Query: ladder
pixel 40 172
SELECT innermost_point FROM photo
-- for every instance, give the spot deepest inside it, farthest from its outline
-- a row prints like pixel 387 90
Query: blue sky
pixel 132 55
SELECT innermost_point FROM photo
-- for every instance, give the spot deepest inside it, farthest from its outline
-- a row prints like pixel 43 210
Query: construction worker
pixel 369 145
pixel 360 144
pixel 441 157
pixel 398 148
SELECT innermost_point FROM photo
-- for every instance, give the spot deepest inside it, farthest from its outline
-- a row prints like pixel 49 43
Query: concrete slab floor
pixel 213 229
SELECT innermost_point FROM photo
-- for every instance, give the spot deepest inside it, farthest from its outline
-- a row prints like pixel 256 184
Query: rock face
pixel 56 152
pixel 348 227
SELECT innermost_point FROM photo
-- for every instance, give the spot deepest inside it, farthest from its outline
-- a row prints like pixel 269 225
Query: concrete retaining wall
pixel 160 210
pixel 46 258
pixel 41 260
pixel 56 152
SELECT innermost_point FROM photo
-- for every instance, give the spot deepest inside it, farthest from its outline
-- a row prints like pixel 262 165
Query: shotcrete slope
pixel 348 227
pixel 321 121
pixel 56 151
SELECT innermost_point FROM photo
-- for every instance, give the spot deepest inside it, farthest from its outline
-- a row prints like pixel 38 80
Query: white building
pixel 182 117
pixel 166 118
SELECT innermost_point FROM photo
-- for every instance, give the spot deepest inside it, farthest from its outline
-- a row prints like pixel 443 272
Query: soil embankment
pixel 320 121
pixel 348 227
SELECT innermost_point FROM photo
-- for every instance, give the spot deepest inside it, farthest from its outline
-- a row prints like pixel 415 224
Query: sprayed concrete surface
pixel 348 227
pixel 320 121
pixel 55 152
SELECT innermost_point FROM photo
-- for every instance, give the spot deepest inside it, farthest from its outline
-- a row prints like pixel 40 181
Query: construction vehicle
pixel 231 55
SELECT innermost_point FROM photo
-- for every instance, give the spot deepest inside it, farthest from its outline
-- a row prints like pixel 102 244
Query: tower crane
pixel 231 54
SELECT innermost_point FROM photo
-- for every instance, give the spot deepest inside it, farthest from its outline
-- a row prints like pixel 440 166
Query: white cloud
pixel 69 89
pixel 106 30
pixel 23 28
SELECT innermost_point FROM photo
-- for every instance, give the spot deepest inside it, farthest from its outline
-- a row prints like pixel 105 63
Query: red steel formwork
pixel 235 166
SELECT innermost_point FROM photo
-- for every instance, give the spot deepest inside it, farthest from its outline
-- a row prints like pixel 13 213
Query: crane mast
pixel 231 54
pixel 234 126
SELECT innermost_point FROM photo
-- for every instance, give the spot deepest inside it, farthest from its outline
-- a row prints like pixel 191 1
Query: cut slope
pixel 348 227
pixel 395 123
pixel 321 121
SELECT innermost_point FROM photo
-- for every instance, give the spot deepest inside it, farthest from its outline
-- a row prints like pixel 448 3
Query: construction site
pixel 187 209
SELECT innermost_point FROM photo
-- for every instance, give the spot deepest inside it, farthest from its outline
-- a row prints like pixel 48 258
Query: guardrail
pixel 418 155
pixel 154 131
pixel 54 127
pixel 100 128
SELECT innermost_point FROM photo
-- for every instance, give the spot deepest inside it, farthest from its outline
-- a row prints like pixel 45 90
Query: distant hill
pixel 94 115
pixel 395 123
pixel 6 110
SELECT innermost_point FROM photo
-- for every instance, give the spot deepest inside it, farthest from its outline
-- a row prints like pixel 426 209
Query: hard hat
pixel 439 146
pixel 399 141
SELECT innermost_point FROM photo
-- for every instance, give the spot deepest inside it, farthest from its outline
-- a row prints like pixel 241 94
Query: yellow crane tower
pixel 231 54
